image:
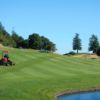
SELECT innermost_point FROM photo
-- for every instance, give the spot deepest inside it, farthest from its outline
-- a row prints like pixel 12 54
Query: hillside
pixel 40 76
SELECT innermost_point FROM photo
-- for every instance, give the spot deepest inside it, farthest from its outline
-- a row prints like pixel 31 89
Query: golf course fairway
pixel 41 76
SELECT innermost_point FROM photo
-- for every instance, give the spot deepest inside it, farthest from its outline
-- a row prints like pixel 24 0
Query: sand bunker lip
pixel 70 92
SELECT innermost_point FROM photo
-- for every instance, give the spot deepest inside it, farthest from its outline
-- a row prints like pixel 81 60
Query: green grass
pixel 40 76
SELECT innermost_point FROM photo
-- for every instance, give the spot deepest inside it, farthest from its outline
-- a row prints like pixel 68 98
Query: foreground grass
pixel 40 76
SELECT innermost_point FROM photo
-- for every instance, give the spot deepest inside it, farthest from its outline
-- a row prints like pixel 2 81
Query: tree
pixel 44 42
pixel 19 40
pixel 34 41
pixel 1 27
pixel 24 43
pixel 77 43
pixel 15 37
pixel 98 51
pixel 47 45
pixel 51 47
pixel 93 43
pixel 5 37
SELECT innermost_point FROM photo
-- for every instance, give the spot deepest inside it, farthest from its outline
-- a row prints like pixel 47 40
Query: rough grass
pixel 40 76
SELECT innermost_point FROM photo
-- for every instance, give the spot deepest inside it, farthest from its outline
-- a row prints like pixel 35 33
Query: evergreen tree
pixel 98 51
pixel 93 43
pixel 77 43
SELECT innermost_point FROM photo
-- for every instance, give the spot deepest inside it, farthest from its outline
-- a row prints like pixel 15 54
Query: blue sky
pixel 58 20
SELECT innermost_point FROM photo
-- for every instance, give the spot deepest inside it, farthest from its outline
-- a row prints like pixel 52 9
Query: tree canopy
pixel 98 51
pixel 34 41
pixel 42 43
pixel 93 43
pixel 77 43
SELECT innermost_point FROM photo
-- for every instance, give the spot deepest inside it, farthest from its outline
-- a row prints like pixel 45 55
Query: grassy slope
pixel 39 76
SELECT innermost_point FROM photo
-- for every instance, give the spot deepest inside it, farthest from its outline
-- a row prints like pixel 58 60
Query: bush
pixel 70 53
pixel 98 51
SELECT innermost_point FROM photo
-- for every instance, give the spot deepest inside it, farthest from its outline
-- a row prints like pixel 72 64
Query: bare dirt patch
pixel 93 56
pixel 88 56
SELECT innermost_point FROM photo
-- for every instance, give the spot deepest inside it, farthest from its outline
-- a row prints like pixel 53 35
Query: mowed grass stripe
pixel 39 76
pixel 78 67
pixel 81 63
pixel 67 70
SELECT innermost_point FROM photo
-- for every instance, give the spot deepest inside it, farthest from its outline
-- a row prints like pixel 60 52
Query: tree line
pixel 34 41
pixel 94 44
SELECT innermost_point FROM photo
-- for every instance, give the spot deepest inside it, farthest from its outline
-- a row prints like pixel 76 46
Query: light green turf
pixel 40 76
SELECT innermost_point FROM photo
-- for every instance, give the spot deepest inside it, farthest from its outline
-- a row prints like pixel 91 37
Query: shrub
pixel 70 53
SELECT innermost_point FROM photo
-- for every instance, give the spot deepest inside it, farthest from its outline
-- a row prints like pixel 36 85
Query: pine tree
pixel 93 43
pixel 77 43
pixel 98 51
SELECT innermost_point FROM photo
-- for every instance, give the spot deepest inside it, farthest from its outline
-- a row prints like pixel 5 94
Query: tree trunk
pixel 94 51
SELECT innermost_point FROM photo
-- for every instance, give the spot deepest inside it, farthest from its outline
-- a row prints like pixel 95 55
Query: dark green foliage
pixel 15 36
pixel 35 41
pixel 24 44
pixel 47 45
pixel 77 43
pixel 40 43
pixel 18 39
pixel 98 51
pixel 5 37
pixel 44 42
pixel 70 53
pixel 93 43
